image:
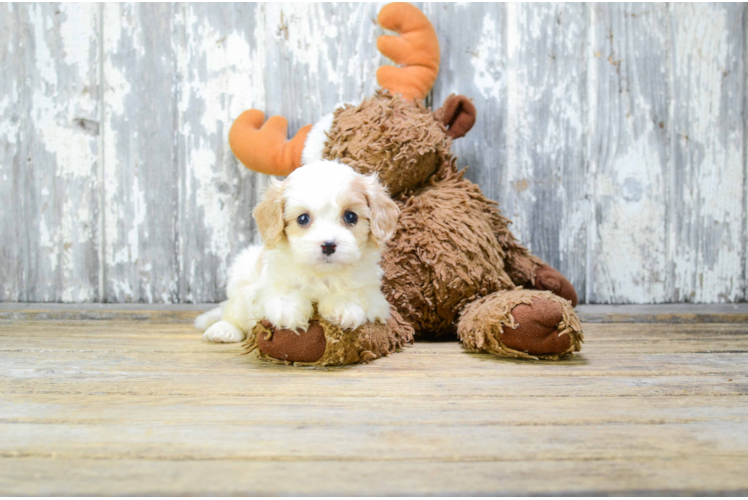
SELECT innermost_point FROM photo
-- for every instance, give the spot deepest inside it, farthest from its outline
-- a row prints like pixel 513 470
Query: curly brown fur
pixel 398 139
pixel 482 323
pixel 365 137
pixel 344 347
pixel 443 254
pixel 452 246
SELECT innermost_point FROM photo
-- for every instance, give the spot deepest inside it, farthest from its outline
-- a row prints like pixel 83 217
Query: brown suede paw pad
pixel 536 330
pixel 302 347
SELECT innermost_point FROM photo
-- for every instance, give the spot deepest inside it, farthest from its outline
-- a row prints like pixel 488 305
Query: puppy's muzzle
pixel 328 247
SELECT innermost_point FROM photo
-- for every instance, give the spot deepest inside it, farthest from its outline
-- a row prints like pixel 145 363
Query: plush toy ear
pixel 458 115
pixel 384 211
pixel 269 214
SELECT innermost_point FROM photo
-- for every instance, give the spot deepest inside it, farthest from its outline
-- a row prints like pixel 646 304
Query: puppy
pixel 323 229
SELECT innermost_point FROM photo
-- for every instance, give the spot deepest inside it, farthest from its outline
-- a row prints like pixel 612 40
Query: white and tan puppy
pixel 323 228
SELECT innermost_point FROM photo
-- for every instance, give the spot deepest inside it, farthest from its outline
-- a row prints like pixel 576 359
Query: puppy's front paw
pixel 347 315
pixel 288 312
pixel 223 332
pixel 379 308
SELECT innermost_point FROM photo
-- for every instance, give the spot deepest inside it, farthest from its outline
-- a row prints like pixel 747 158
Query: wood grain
pixel 708 144
pixel 48 153
pixel 218 52
pixel 349 478
pixel 629 153
pixel 612 135
pixel 144 407
pixel 474 63
pixel 545 188
pixel 140 168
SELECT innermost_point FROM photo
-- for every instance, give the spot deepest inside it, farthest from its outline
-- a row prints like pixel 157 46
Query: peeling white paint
pixel 709 140
pixel 628 251
pixel 211 95
pixel 41 25
pixel 631 236
pixel 79 22
pixel 139 213
pixel 305 36
pixel 8 129
pixel 117 84
pixel 545 132
pixel 48 244
pixel 596 147
pixel 59 154
pixel 485 63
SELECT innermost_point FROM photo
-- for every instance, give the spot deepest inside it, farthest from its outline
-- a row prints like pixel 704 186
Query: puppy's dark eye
pixel 303 219
pixel 350 217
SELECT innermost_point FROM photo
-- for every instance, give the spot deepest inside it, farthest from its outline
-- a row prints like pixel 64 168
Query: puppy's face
pixel 326 215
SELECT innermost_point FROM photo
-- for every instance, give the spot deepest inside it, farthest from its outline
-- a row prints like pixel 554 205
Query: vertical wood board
pixel 708 184
pixel 630 89
pixel 49 128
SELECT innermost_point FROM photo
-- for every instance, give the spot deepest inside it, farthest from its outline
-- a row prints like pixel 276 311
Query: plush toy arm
pixel 264 148
pixel 416 50
pixel 527 270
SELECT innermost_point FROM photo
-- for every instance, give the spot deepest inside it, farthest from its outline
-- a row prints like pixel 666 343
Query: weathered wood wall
pixel 613 135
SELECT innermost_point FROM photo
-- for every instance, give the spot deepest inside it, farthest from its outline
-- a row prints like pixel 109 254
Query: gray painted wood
pixel 708 185
pixel 474 63
pixel 218 51
pixel 140 168
pixel 319 55
pixel 49 144
pixel 545 191
pixel 11 111
pixel 613 136
pixel 629 124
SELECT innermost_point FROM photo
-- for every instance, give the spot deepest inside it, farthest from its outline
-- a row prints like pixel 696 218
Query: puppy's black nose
pixel 328 247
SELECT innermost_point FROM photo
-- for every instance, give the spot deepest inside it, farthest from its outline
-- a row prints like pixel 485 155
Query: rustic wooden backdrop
pixel 613 136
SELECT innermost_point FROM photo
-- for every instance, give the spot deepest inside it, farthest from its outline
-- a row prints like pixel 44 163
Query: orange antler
pixel 264 148
pixel 416 50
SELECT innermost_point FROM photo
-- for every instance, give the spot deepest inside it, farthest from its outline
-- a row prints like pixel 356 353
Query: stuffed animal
pixel 452 266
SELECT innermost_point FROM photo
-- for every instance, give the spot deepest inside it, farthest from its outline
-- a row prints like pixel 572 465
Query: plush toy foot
pixel 547 278
pixel 521 324
pixel 325 344
pixel 303 346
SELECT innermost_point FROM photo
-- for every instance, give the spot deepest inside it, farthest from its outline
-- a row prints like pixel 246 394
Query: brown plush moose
pixel 452 266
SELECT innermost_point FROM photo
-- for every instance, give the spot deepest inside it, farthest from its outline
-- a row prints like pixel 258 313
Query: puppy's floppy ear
pixel 384 211
pixel 269 214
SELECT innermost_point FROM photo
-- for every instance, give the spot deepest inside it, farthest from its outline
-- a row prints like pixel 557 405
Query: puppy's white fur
pixel 314 145
pixel 282 280
pixel 315 140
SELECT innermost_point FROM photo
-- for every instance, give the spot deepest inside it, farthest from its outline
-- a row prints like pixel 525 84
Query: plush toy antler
pixel 416 50
pixel 264 148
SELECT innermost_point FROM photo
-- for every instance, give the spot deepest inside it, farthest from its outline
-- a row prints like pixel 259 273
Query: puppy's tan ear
pixel 384 211
pixel 269 214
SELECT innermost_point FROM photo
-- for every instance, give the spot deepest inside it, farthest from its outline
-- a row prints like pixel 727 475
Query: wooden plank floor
pixel 131 402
